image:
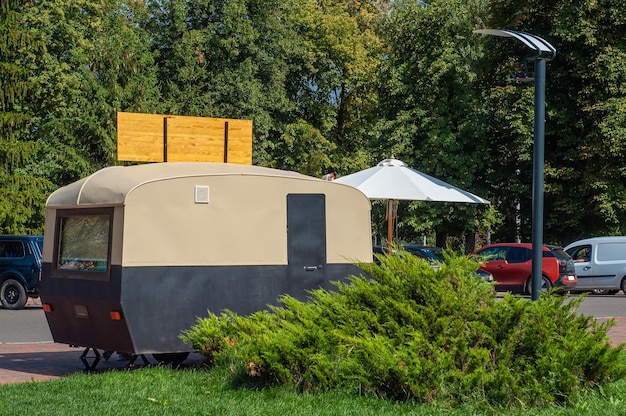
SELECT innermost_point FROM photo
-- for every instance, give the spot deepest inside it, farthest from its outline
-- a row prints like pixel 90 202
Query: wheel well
pixel 17 278
pixel 530 278
pixel 12 276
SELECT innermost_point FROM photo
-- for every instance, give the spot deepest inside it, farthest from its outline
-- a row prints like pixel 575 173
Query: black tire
pixel 546 285
pixel 13 294
pixel 171 358
pixel 604 291
pixel 624 286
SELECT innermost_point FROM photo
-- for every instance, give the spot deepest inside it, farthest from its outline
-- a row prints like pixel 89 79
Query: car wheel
pixel 604 292
pixel 546 285
pixel 171 358
pixel 12 294
pixel 624 286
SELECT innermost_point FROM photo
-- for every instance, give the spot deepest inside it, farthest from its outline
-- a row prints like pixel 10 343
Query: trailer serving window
pixel 83 243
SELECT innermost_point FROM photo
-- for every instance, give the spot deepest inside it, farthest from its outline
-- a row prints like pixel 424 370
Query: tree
pixel 431 107
pixel 585 100
pixel 233 59
pixel 23 191
pixel 68 67
pixel 336 91
pixel 288 66
pixel 96 62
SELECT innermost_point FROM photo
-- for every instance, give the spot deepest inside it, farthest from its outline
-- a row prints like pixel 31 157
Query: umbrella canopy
pixel 393 179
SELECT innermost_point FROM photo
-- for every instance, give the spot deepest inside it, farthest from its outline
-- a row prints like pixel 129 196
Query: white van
pixel 600 264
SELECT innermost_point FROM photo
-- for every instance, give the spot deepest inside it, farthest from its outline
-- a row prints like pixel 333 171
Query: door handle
pixel 586 267
pixel 312 268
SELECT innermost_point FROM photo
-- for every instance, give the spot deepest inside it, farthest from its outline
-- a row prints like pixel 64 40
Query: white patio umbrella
pixel 394 180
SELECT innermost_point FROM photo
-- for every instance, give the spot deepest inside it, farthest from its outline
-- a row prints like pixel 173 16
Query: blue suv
pixel 20 269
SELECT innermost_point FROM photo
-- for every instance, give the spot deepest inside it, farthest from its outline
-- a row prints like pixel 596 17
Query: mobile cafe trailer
pixel 134 255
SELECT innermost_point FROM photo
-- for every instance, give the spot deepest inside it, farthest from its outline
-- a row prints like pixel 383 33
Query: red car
pixel 511 267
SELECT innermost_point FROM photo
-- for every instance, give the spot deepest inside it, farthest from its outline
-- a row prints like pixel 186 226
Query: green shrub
pixel 412 332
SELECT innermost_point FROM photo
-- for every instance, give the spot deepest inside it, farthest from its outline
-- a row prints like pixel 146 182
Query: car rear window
pixel 559 253
pixel 11 249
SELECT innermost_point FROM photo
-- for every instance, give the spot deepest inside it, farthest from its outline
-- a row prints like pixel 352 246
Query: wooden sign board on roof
pixel 167 138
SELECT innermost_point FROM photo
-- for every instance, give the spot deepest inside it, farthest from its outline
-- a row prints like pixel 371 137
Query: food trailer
pixel 134 255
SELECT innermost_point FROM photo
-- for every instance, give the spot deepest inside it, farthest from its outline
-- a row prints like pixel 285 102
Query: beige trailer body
pixel 191 237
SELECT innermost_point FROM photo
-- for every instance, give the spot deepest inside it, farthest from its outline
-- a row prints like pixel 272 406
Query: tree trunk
pixel 470 243
pixel 440 239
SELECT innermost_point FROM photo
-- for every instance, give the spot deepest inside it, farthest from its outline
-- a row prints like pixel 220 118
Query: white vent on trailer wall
pixel 202 195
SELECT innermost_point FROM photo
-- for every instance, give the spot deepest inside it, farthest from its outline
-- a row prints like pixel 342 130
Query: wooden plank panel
pixel 195 139
pixel 240 142
pixel 140 137
pixel 189 139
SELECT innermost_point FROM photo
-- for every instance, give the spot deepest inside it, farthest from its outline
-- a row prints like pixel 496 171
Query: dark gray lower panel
pixel 158 303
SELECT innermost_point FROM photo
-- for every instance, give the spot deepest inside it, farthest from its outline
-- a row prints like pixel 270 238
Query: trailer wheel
pixel 171 358
pixel 12 294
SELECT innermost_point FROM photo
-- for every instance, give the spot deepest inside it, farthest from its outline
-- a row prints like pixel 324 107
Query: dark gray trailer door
pixel 306 242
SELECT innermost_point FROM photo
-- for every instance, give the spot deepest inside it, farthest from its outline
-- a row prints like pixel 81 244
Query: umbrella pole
pixel 389 224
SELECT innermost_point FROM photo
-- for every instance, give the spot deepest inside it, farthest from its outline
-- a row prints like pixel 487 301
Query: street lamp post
pixel 543 52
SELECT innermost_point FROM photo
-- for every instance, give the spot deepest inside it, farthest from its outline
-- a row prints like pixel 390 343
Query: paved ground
pixel 47 360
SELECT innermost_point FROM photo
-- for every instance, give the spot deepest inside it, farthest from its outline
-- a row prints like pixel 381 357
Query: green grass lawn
pixel 191 391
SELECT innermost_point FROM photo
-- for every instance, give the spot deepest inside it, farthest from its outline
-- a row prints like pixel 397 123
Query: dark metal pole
pixel 226 142
pixel 538 167
pixel 544 51
pixel 165 139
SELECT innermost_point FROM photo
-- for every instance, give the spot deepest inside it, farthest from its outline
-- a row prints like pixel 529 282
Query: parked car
pixel 485 275
pixel 511 267
pixel 20 269
pixel 434 256
pixel 425 252
pixel 600 264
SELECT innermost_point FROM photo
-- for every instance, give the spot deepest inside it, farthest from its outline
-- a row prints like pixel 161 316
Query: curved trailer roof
pixel 111 185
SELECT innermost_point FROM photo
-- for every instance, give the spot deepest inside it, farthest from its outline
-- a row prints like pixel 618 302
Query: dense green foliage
pixel 585 104
pixel 412 332
pixel 96 62
pixel 329 83
pixel 23 187
pixel 431 111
